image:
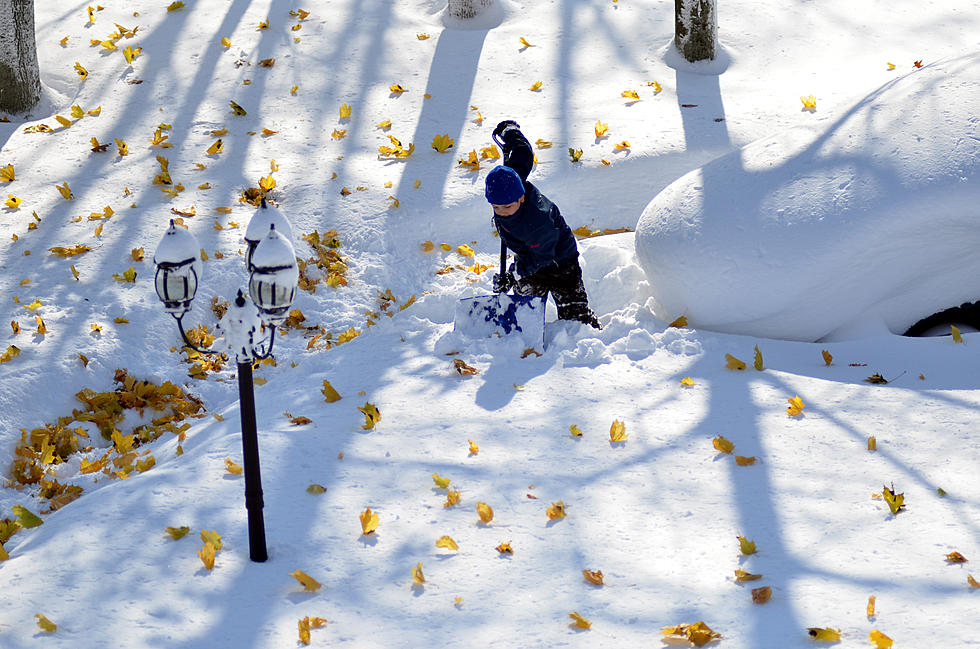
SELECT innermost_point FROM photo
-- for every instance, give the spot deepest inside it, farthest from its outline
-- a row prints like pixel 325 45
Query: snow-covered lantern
pixel 264 218
pixel 274 276
pixel 178 269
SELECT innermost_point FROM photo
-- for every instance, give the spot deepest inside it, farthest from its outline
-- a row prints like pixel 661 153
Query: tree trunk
pixel 696 28
pixel 20 78
pixel 467 8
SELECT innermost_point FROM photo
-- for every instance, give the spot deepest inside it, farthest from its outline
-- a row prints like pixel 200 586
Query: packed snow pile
pixel 813 234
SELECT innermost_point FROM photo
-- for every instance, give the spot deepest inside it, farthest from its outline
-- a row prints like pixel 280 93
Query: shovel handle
pixel 503 259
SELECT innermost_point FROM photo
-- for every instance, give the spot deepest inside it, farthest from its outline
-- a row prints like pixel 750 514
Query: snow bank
pixel 811 234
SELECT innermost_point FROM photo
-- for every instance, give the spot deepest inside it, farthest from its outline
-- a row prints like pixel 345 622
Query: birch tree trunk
pixel 20 78
pixel 467 8
pixel 696 28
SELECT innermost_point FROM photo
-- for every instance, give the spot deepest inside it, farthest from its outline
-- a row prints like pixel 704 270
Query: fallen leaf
pixel 593 577
pixel 441 482
pixel 369 521
pixel 796 406
pixel 746 546
pixel 742 576
pixel 723 444
pixel 680 322
pixel 442 142
pixel 316 489
pixel 872 443
pixel 485 511
pixel 309 584
pixel 871 607
pixel 761 595
pixel 601 129
pixel 632 95
pixel 973 582
pixel 575 431
pixel 535 86
pixel 579 621
pixel 45 624
pixel 474 448
pixel 26 518
pixel 876 379
pixel 452 498
pixel 447 542
pixel 758 359
pixel 417 575
pixel 504 548
pixel 825 634
pixel 617 432
pixel 207 554
pixel 733 363
pixel 896 502
pixel 463 369
pixel 575 154
pixel 699 633
pixel 957 335
pixel 345 111
pixel 371 415
pixel 556 511
pixel 329 393
pixel 880 640
pixel 742 460
pixel 955 557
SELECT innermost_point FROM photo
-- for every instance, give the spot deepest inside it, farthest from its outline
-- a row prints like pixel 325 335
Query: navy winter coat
pixel 536 233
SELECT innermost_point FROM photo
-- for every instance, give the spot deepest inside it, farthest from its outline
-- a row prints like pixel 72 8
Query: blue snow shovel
pixel 502 314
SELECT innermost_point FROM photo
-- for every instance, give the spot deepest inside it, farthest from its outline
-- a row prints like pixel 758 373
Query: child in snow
pixel 531 226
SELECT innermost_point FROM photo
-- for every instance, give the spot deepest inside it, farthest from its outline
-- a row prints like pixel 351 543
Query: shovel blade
pixel 484 316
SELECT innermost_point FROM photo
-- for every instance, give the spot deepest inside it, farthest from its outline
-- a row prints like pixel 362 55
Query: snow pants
pixel 564 282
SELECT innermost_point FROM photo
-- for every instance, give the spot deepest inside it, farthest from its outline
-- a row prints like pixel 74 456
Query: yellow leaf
pixel 474 448
pixel 445 246
pixel 237 109
pixel 215 148
pixel 371 415
pixel 11 350
pixel 825 634
pixel 13 202
pixel 871 607
pixel 485 511
pixel 176 5
pixel 95 111
pixel 722 444
pixel 422 36
pixel 207 555
pixel 535 86
pixel 680 322
pixel 525 43
pixel 447 542
pixel 442 142
pixel 267 183
pixel 309 584
pixel 617 432
pixel 339 133
pixel 742 460
pixel 872 443
pixel 632 95
pixel 593 577
pixel 809 102
pixel 369 521
pixel 396 88
pixel 556 511
pixel 123 147
pixel 452 498
pixel 26 518
pixel 212 537
pixel 82 72
pixel 601 129
pixel 827 357
pixel 226 41
pixel 304 631
pixel 77 112
pixel 579 621
pixel 891 66
pixel 687 381
pixel 316 489
pixel 896 502
pixel 177 533
pixel 329 393
pixel 880 640
pixel 442 483
pixel 973 582
pixel 955 557
pixel 656 86
pixel 417 575
pixel 128 275
pixel 3 553
pixel 345 111
pixel 761 595
pixel 758 359
pixel 45 624
pixel 733 363
pixel 699 633
pixel 7 173
pixel 232 467
pixel 575 431
pixel 504 548
pixel 742 575
pixel 746 546
pixel 957 336
pixel 796 406
pixel 417 183
pixel 129 53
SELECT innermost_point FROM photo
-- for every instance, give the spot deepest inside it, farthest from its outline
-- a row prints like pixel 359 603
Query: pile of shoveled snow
pixel 868 223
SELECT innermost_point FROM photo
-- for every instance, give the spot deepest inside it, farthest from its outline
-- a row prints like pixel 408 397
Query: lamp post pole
pixel 250 455
pixel 245 327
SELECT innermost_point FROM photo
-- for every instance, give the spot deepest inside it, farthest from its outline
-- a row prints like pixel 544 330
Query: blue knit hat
pixel 504 186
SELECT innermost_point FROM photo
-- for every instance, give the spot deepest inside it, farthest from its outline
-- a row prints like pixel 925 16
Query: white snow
pixel 658 513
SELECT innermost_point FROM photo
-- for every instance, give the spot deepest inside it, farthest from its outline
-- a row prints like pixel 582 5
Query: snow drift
pixel 813 233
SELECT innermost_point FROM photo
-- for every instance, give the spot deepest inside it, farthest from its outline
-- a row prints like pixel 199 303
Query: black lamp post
pixel 248 328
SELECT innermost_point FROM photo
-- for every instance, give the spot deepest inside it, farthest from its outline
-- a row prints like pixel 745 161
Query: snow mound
pixel 814 234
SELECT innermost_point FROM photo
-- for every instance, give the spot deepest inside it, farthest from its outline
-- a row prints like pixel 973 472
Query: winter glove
pixel 503 283
pixel 499 130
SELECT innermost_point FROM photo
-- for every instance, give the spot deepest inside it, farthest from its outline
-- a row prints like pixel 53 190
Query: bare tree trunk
pixel 467 8
pixel 20 78
pixel 696 28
